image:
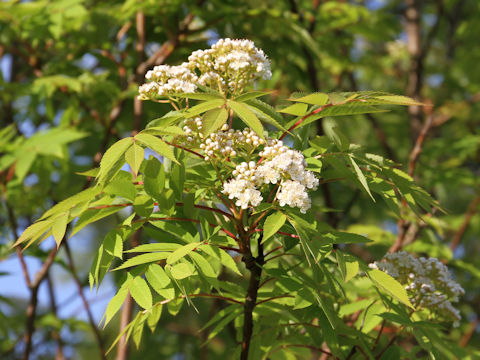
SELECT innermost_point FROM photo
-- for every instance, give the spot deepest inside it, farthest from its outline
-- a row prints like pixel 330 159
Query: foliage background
pixel 69 75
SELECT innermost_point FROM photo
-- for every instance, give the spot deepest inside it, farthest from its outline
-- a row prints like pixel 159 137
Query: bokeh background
pixel 70 70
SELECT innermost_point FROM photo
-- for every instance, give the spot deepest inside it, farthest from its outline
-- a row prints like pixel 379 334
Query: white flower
pixel 233 64
pixel 294 194
pixel 428 282
pixel 243 191
pixel 165 79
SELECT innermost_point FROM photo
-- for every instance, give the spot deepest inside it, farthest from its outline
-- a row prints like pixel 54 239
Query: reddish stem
pixel 316 111
pixel 187 150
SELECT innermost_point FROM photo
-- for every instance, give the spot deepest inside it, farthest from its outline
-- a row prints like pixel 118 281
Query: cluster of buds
pixel 229 65
pixel 227 143
pixel 428 283
pixel 280 165
pixel 165 79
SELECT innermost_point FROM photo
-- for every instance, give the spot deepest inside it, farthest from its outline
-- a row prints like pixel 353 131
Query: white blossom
pixel 279 166
pixel 165 79
pixel 294 194
pixel 428 282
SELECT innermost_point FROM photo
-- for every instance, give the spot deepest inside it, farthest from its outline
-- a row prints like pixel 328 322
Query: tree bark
pixel 254 265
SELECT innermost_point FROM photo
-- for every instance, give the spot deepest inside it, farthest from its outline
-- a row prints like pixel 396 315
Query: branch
pixel 126 314
pixel 53 306
pixel 32 305
pixel 417 149
pixel 273 298
pixel 96 332
pixel 254 265
pixel 471 211
pixel 13 227
pixel 186 149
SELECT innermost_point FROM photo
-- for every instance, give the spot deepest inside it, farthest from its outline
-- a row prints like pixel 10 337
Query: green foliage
pixel 155 214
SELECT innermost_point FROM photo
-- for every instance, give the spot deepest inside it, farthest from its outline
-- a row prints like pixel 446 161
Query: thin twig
pixel 86 305
pixel 471 211
pixel 273 298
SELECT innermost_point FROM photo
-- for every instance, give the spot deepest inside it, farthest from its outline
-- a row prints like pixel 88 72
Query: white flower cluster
pixel 280 165
pixel 234 63
pixel 226 143
pixel 243 186
pixel 228 64
pixel 165 79
pixel 428 282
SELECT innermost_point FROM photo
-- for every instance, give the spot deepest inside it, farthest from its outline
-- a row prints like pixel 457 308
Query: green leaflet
pixel 24 163
pixel 273 223
pixel 341 237
pixel 112 160
pixel 155 247
pixel 154 178
pixel 92 215
pixel 72 201
pixel 143 259
pixel 115 304
pixel 165 121
pixel 157 145
pixel 157 277
pixel 203 107
pixel 113 244
pixel 397 100
pixel 266 113
pixel 361 178
pixel 200 96
pixel 334 134
pixel 297 109
pixel 154 316
pixel 167 130
pixel 348 265
pixel 251 95
pixel 221 255
pixel 33 232
pixel 223 322
pixel 182 252
pixel 313 99
pixel 214 120
pixel 247 116
pixel 134 157
pixel 182 270
pixel 390 285
pixel 59 227
pixel 141 292
pixel 203 265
